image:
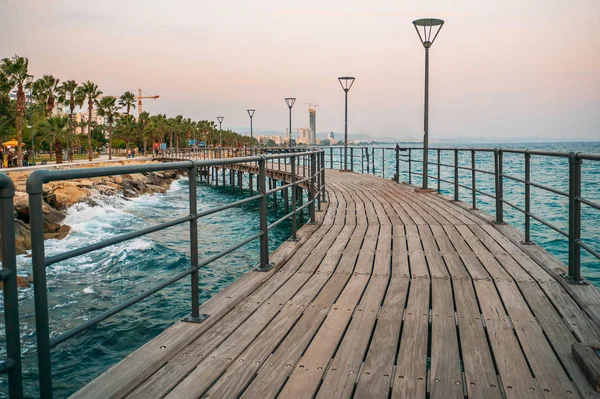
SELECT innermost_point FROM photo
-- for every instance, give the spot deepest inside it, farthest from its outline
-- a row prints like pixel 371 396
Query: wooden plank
pixel 411 371
pixel 588 360
pixel 343 371
pixel 480 373
pixel 445 376
pixel 517 380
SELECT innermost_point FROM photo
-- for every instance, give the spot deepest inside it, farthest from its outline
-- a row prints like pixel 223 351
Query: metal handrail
pixel 311 162
pixel 8 275
pixel 405 155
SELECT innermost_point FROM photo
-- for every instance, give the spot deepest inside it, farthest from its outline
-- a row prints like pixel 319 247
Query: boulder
pixel 105 189
pixel 22 237
pixel 22 282
pixel 61 233
pixel 70 195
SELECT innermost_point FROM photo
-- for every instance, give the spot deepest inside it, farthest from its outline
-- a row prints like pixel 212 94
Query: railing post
pixel 368 165
pixel 455 175
pixel 439 175
pixel 397 163
pixel 473 181
pixel 311 191
pixel 383 163
pixel 40 290
pixel 331 157
pixel 264 239
pixel 352 159
pixel 499 186
pixel 409 166
pixel 8 275
pixel 574 219
pixel 318 173
pixel 527 198
pixel 294 200
pixel 195 316
pixel 322 187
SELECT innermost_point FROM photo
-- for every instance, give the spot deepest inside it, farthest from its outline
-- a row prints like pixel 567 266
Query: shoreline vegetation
pixel 60 195
pixel 39 114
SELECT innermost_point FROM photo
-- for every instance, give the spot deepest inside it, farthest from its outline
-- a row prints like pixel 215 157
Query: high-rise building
pixel 312 118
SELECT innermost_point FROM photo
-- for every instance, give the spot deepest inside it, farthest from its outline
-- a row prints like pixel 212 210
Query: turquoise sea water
pixel 548 171
pixel 85 286
pixel 82 287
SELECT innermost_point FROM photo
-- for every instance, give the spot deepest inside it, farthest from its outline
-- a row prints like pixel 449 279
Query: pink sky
pixel 503 69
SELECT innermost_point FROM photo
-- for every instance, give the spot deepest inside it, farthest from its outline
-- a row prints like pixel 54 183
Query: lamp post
pixel 428 25
pixel 346 82
pixel 290 103
pixel 220 119
pixel 251 113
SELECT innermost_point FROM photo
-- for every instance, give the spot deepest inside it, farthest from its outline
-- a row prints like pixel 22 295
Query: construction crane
pixel 139 98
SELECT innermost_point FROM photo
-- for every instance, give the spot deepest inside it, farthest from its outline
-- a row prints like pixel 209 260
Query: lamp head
pixel 290 101
pixel 430 27
pixel 346 82
pixel 251 112
pixel 220 118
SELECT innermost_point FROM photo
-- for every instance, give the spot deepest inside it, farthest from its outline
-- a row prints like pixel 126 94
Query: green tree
pixel 108 108
pixel 69 94
pixel 127 101
pixel 15 75
pixel 56 130
pixel 91 92
pixel 127 130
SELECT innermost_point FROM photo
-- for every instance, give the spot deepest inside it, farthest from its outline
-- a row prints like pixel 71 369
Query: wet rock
pixel 105 189
pixel 22 237
pixel 61 233
pixel 22 282
pixel 70 195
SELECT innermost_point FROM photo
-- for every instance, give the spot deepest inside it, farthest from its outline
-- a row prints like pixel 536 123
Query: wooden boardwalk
pixel 394 294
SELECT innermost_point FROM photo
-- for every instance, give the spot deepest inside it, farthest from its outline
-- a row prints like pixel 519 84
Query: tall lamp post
pixel 290 103
pixel 346 82
pixel 220 119
pixel 251 113
pixel 428 26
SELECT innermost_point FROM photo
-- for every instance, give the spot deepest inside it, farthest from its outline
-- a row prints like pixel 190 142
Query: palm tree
pixel 15 74
pixel 91 92
pixel 127 101
pixel 48 84
pixel 108 108
pixel 127 129
pixel 145 128
pixel 55 130
pixel 70 94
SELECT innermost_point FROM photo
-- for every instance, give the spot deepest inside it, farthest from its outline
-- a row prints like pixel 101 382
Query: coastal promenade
pixel 392 291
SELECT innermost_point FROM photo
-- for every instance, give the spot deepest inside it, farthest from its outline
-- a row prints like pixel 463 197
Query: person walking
pixel 9 158
pixel 26 158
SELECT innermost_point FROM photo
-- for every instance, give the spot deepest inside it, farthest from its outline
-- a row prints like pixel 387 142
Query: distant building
pixel 312 119
pixel 305 136
pixel 331 138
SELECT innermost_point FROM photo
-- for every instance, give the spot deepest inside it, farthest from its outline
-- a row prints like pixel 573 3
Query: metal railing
pixel 312 175
pixel 409 156
pixel 8 276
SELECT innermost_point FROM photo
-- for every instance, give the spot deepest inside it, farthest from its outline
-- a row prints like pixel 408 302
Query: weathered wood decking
pixel 395 291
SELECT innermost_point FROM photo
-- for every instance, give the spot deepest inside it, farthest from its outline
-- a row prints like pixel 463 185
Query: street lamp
pixel 220 119
pixel 428 25
pixel 290 103
pixel 346 82
pixel 251 113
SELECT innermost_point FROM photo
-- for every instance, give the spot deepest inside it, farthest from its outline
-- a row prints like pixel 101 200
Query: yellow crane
pixel 140 97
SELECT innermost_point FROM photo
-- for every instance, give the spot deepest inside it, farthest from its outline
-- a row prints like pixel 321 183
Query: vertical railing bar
pixel 10 290
pixel 397 163
pixel 264 238
pixel 527 198
pixel 439 179
pixel 455 175
pixel 409 166
pixel 574 273
pixel 294 199
pixel 499 186
pixel 40 289
pixel 311 191
pixel 473 181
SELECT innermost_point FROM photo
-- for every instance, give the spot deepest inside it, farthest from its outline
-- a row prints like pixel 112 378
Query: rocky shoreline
pixel 59 196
